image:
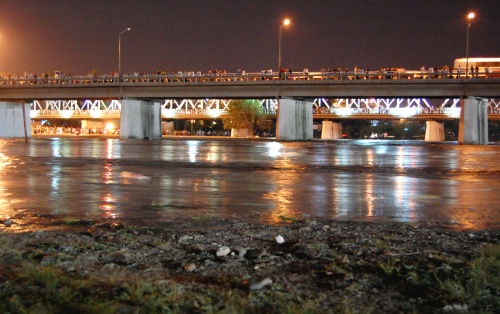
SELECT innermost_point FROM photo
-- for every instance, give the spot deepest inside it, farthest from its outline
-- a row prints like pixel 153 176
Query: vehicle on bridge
pixel 492 64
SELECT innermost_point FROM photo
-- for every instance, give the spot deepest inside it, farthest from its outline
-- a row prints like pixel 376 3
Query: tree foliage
pixel 243 114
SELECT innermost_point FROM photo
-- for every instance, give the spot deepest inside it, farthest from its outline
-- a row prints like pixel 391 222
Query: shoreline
pixel 309 265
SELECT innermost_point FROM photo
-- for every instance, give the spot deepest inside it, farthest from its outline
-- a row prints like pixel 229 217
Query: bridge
pixel 142 97
pixel 374 84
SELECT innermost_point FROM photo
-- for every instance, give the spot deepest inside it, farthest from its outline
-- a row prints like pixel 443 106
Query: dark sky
pixel 76 36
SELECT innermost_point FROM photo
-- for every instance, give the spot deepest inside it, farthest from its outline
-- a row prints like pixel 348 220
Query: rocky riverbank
pixel 299 266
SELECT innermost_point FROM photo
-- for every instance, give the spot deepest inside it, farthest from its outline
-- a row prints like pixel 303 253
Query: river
pixel 174 180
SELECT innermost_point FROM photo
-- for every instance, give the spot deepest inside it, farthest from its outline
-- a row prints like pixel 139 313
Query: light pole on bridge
pixel 120 50
pixel 286 22
pixel 470 16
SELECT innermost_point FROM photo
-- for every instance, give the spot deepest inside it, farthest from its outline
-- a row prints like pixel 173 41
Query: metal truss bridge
pixel 323 108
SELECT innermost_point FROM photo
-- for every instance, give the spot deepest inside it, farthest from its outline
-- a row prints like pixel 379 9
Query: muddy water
pixel 169 181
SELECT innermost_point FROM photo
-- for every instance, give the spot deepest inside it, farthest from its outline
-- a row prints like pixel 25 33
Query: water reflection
pixel 260 181
pixel 273 149
pixel 193 150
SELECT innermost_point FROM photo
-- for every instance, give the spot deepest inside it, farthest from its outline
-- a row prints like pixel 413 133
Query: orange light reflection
pixel 108 207
pixel 282 196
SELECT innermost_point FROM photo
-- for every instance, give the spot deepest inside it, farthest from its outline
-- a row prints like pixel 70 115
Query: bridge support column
pixel 473 127
pixel 295 120
pixel 331 130
pixel 434 131
pixel 15 121
pixel 140 119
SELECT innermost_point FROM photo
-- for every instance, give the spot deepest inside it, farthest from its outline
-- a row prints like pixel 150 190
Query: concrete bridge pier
pixel 434 131
pixel 294 120
pixel 140 119
pixel 14 121
pixel 331 130
pixel 473 127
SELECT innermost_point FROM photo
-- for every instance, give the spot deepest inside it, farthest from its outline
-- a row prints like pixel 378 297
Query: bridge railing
pixel 192 77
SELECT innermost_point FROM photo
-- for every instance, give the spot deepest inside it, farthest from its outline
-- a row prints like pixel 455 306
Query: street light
pixel 120 51
pixel 470 16
pixel 286 22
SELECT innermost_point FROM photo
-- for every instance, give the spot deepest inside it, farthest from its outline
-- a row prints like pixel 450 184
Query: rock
pixel 241 251
pixel 257 285
pixel 39 233
pixel 185 237
pixel 223 251
pixel 280 239
pixel 454 308
pixel 232 264
pixel 122 257
pixel 190 267
pixel 7 222
pixel 116 225
pixel 255 253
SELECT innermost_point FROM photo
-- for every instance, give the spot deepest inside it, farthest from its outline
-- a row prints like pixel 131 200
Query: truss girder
pixel 219 106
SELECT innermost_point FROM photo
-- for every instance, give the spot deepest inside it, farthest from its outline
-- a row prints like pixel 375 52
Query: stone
pixel 280 239
pixel 185 237
pixel 255 253
pixel 257 285
pixel 223 251
pixel 190 267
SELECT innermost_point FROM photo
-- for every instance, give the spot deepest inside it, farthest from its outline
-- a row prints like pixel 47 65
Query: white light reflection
pixel 274 149
pixel 404 158
pixel 55 175
pixel 214 155
pixel 193 150
pixel 404 198
pixel 56 169
pixel 109 149
pixel 56 148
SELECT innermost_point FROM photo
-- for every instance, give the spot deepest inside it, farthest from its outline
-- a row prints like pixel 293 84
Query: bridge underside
pixel 321 109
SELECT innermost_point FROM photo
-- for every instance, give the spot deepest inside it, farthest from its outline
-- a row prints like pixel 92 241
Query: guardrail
pixel 232 77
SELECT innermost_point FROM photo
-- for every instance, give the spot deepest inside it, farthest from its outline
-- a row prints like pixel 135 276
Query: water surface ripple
pixel 170 181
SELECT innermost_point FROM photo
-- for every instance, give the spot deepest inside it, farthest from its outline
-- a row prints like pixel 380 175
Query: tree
pixel 243 114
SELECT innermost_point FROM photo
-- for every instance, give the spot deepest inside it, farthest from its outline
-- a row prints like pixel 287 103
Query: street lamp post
pixel 286 22
pixel 470 16
pixel 120 51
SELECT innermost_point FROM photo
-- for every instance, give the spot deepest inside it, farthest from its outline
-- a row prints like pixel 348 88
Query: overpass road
pixel 248 86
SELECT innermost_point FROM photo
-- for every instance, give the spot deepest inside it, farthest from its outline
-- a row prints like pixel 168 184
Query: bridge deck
pixel 388 85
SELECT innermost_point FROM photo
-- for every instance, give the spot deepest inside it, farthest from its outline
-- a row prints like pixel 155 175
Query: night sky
pixel 75 37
